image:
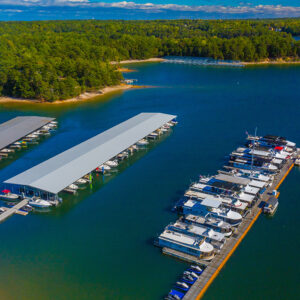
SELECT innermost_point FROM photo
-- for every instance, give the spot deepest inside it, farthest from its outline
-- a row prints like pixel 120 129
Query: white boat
pixel 103 169
pixel 81 181
pixel 212 207
pixel 142 142
pixel 197 230
pixel 186 244
pixel 112 163
pixel 210 222
pixel 197 268
pixel 73 186
pixel 5 150
pixel 9 196
pixel 13 146
pixel 33 136
pixel 152 135
pixel 39 203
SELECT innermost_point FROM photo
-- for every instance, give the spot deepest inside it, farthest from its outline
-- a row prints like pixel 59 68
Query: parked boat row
pixel 32 138
pixel 188 278
pixel 112 164
pixel 214 206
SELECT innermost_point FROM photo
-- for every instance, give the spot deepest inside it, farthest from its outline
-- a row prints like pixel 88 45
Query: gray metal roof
pixel 58 172
pixel 211 202
pixel 233 179
pixel 15 129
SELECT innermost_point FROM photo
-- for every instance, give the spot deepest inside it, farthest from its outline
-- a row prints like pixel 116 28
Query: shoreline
pixel 270 62
pixel 81 98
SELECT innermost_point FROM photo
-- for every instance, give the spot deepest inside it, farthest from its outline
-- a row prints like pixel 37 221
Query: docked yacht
pixel 256 164
pixel 255 175
pixel 272 141
pixel 210 222
pixel 212 207
pixel 217 239
pixel 187 244
pixel 233 203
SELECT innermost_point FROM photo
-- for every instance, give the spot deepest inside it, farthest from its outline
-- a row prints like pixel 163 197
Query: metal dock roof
pixel 60 171
pixel 233 179
pixel 15 129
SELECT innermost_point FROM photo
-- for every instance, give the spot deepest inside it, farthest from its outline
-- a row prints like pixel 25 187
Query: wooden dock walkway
pixel 213 269
pixel 11 211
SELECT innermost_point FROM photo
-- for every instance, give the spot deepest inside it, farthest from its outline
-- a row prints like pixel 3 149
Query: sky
pixel 143 9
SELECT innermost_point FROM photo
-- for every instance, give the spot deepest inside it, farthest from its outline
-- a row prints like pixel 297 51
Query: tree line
pixel 52 60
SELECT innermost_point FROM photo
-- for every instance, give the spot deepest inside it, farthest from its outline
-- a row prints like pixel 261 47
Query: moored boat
pixel 7 195
pixel 39 203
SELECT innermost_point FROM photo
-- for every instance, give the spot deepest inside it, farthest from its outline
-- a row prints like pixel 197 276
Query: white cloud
pixel 243 8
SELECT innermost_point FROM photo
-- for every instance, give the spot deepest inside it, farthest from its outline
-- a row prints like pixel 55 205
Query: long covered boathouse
pixel 17 132
pixel 52 176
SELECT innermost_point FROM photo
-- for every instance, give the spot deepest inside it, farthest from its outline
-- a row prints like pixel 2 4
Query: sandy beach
pixel 133 61
pixel 80 98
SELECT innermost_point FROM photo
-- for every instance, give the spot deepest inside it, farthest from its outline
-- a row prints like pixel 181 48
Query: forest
pixel 50 60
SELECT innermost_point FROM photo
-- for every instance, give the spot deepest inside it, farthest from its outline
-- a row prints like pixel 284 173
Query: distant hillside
pixel 62 59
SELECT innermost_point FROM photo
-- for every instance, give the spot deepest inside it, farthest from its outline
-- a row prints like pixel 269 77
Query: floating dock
pixel 15 209
pixel 198 289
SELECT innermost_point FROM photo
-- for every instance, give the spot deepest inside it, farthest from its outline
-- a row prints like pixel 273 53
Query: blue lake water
pixel 98 245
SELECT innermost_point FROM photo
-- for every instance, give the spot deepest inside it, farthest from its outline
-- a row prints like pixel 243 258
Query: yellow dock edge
pixel 283 178
pixel 209 282
pixel 226 258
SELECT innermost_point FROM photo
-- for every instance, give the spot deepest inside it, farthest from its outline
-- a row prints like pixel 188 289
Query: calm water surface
pixel 98 245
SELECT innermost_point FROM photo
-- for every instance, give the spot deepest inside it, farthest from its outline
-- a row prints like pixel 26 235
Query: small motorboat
pixel 196 269
pixel 39 203
pixel 193 274
pixel 188 279
pixel 176 294
pixel 5 150
pixel 112 163
pixel 182 285
pixel 81 181
pixel 122 155
pixel 142 142
pixel 103 169
pixel 152 135
pixel 9 196
pixel 13 146
pixel 73 186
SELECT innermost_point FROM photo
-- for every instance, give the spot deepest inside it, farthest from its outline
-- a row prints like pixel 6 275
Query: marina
pixel 199 209
pixel 20 132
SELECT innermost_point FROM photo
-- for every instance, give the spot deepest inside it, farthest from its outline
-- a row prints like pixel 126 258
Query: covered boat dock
pixel 52 176
pixel 19 127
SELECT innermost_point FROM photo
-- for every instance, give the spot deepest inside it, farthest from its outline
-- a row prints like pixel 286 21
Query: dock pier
pixel 198 289
pixel 11 211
